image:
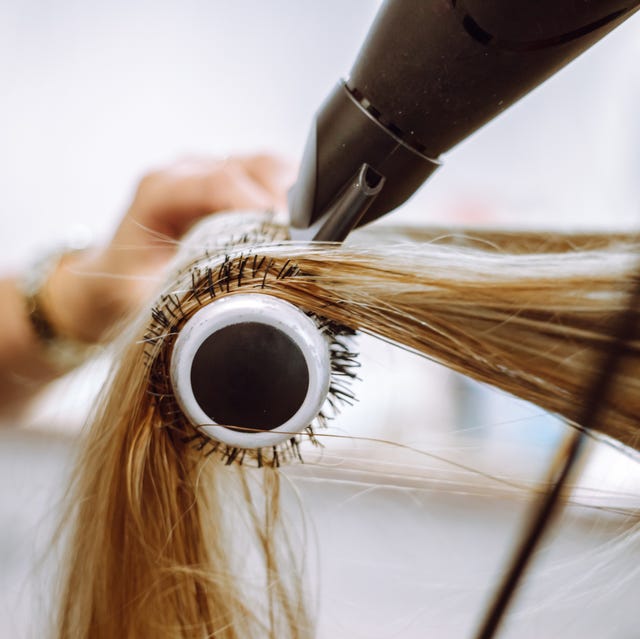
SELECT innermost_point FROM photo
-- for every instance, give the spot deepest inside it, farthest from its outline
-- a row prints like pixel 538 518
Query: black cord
pixel 595 398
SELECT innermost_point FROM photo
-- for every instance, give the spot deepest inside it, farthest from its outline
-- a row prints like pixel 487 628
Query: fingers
pixel 276 175
pixel 169 201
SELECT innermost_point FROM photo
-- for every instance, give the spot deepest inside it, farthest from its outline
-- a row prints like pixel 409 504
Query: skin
pixel 90 291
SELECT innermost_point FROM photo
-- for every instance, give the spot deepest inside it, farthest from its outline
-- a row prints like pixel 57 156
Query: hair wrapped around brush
pixel 173 536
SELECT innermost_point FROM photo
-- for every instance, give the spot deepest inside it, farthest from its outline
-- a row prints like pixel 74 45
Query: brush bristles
pixel 208 283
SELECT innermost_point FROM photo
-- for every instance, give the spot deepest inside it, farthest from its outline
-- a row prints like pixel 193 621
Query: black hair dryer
pixel 430 73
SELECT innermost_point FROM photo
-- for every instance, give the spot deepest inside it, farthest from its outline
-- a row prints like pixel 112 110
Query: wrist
pixel 79 299
pixel 59 346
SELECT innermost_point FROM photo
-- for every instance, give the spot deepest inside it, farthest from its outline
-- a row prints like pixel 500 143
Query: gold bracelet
pixel 62 352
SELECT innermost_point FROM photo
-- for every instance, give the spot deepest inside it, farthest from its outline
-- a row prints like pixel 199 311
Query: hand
pixel 90 291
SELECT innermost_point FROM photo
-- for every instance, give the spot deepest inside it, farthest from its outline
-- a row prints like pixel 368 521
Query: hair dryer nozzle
pixel 344 137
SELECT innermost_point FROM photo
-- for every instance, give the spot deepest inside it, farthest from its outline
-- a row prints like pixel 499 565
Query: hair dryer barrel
pixel 439 70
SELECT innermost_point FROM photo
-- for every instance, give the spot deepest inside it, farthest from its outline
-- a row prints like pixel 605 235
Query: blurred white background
pixel 94 94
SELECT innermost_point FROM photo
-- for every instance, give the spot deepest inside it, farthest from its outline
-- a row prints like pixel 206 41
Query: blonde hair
pixel 167 542
pixel 163 536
